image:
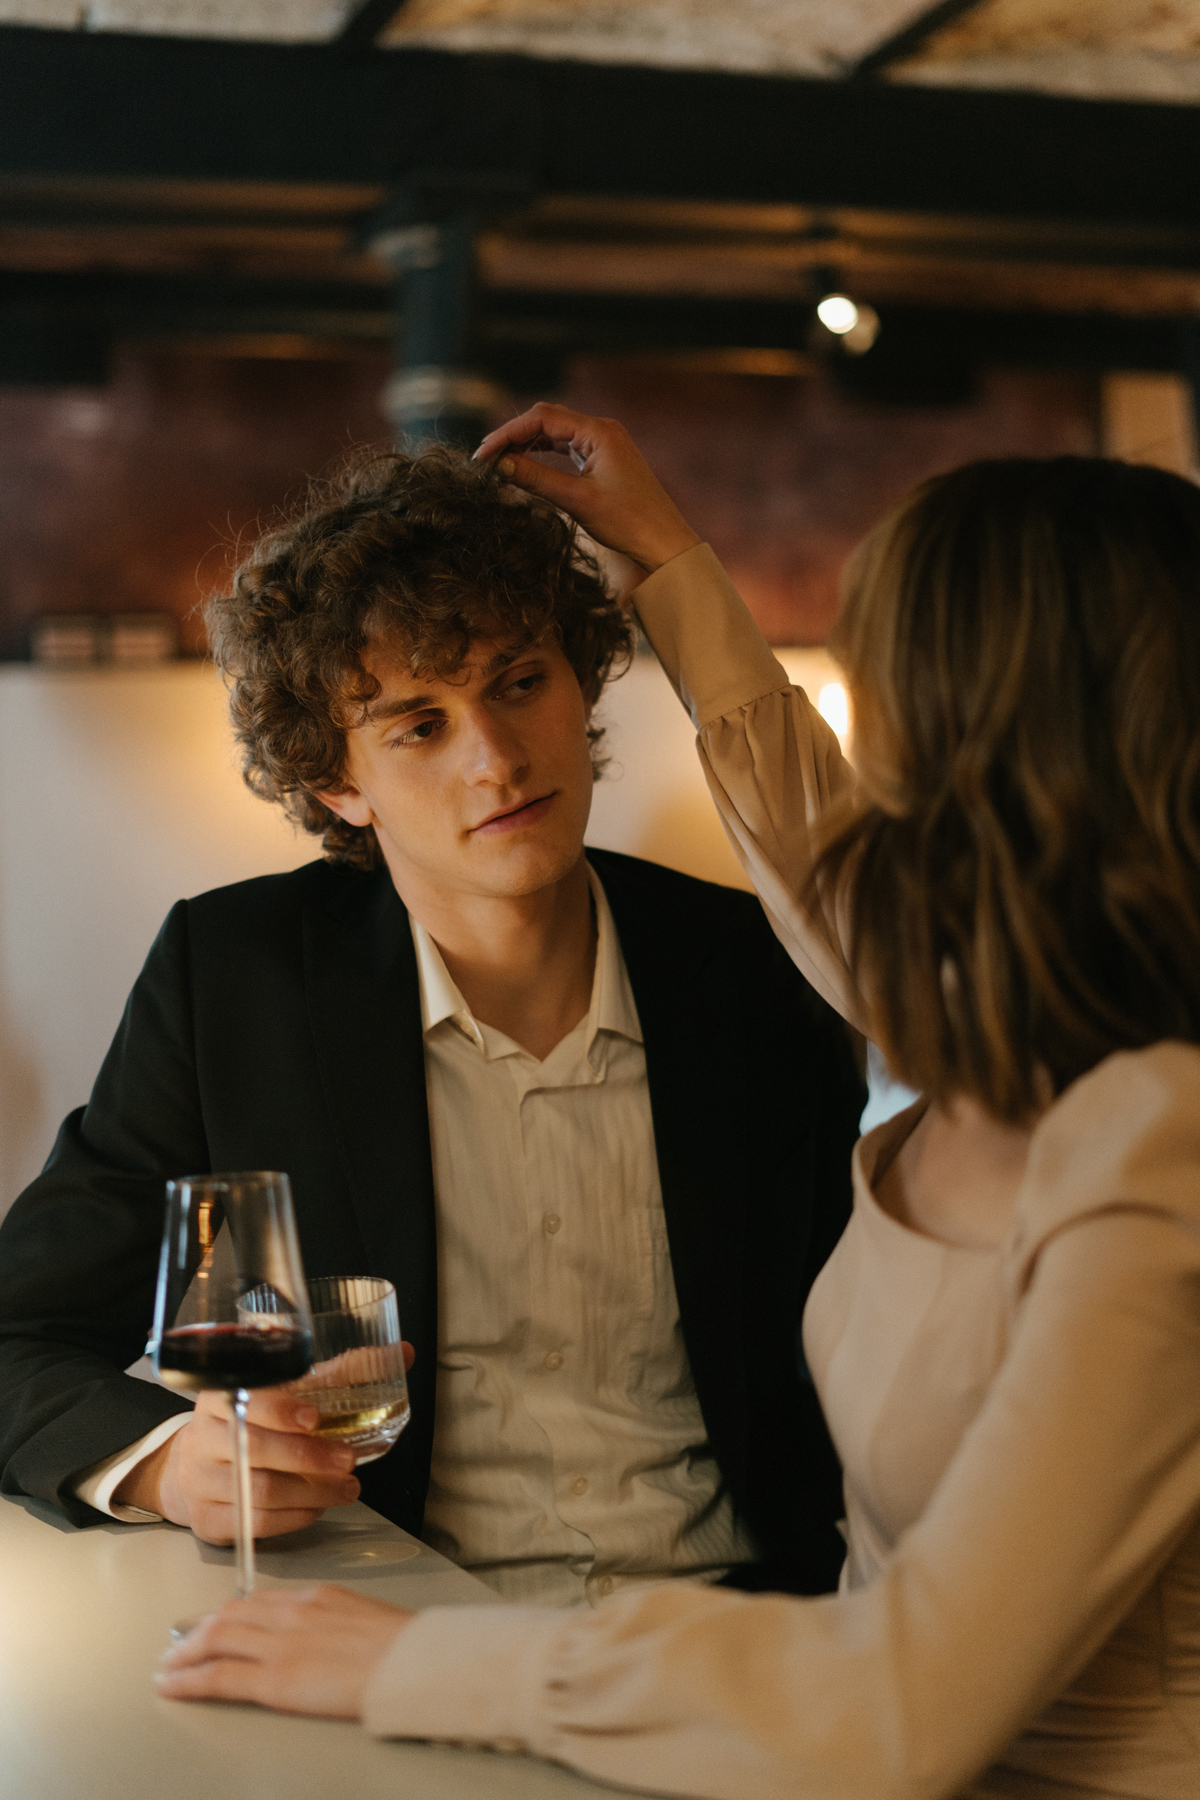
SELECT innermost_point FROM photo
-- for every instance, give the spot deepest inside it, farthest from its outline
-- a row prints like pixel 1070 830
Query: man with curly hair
pixel 488 1062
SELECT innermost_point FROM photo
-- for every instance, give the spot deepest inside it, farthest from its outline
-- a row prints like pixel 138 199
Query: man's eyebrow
pixel 504 659
pixel 381 710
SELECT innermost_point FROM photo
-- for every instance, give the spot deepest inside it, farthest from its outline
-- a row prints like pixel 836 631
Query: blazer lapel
pixel 698 1103
pixel 360 975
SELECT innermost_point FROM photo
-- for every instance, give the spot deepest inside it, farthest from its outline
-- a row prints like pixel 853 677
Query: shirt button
pixel 554 1359
pixel 551 1223
pixel 605 1585
pixel 579 1485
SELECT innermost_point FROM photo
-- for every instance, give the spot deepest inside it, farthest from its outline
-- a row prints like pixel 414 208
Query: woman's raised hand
pixel 615 497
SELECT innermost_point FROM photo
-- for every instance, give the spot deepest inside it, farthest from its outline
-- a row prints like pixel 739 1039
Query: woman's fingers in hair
pixel 558 486
pixel 616 496
pixel 546 426
pixel 549 429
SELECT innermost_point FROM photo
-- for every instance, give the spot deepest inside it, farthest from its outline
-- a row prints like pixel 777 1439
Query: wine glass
pixel 231 1310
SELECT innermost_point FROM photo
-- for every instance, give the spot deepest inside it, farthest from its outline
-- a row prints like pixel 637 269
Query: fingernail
pixel 506 466
pixel 307 1417
pixel 346 1460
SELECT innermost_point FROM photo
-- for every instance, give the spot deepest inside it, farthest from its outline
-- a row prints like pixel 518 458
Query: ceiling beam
pixel 365 20
pixel 123 307
pixel 911 38
pixel 126 107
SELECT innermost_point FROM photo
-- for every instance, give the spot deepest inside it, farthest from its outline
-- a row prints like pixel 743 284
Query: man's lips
pixel 514 818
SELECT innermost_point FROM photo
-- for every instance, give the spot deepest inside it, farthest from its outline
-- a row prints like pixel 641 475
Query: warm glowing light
pixel 833 704
pixel 837 313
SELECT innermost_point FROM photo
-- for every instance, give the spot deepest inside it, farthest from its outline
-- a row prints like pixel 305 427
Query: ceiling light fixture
pixel 837 313
pixel 852 322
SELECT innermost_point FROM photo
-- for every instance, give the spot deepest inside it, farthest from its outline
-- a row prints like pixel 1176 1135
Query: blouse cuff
pixel 465 1674
pixel 714 654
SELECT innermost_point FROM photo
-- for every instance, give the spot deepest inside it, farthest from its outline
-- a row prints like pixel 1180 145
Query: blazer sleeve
pixel 772 764
pixel 1075 1484
pixel 79 1248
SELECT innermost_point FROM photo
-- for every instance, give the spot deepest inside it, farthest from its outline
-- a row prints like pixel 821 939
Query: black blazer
pixel 276 1024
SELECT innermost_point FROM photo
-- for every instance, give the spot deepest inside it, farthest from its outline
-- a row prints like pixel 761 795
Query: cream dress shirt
pixel 569 1450
pixel 1019 1428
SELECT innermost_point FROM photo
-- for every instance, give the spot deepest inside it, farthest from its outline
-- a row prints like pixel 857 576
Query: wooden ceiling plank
pixel 911 38
pixel 295 116
pixel 364 22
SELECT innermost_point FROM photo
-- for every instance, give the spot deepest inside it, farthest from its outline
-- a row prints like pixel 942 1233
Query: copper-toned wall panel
pixel 127 498
pixel 120 499
pixel 784 476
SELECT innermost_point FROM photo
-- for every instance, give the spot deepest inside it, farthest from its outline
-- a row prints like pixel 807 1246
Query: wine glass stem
pixel 242 1515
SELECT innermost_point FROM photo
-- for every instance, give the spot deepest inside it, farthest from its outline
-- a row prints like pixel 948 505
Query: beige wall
pixel 653 801
pixel 119 795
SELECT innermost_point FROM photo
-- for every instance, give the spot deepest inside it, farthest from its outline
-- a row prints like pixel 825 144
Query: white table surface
pixel 85 1615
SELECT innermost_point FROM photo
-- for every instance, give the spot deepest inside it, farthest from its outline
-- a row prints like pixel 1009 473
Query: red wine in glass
pixel 193 1357
pixel 231 1311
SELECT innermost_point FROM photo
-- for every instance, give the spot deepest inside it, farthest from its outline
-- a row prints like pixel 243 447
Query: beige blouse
pixel 1020 1431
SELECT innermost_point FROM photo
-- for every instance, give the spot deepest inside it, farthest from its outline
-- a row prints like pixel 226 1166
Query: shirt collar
pixel 440 998
pixel 612 1006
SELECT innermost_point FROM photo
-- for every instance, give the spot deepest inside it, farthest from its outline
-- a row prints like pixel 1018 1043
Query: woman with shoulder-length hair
pixel 1007 1339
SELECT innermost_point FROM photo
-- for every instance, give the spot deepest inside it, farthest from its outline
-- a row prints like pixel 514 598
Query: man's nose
pixel 494 754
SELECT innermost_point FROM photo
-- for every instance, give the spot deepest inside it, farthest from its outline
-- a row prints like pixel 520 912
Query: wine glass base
pixel 346 1540
pixel 375 1555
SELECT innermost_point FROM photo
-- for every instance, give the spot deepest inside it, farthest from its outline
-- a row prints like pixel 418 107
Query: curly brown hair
pixel 428 551
pixel 1022 867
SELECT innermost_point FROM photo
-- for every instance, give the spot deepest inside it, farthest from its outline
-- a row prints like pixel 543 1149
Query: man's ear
pixel 349 803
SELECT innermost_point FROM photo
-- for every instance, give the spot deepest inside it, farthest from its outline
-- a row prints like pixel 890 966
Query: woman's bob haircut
pixel 1021 869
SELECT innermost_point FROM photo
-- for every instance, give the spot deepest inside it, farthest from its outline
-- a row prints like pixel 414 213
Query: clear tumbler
pixel 357 1379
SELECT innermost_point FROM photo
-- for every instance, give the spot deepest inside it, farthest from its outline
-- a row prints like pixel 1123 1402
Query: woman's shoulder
pixel 1125 1134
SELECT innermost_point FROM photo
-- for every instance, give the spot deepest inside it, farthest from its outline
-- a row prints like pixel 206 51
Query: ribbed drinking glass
pixel 357 1380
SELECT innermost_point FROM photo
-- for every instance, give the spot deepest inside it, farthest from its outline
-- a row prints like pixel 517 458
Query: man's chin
pixel 528 871
pixel 500 869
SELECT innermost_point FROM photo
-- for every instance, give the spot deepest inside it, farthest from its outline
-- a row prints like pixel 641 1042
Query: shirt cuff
pixel 465 1674
pixel 97 1485
pixel 714 654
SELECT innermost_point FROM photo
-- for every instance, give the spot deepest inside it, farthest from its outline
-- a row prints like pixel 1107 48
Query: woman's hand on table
pixel 616 496
pixel 308 1651
pixel 295 1477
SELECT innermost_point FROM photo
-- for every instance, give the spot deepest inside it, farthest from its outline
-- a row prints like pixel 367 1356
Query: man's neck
pixel 524 965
